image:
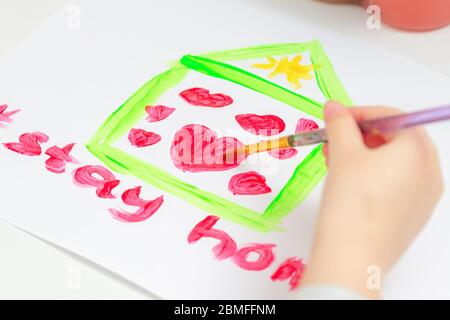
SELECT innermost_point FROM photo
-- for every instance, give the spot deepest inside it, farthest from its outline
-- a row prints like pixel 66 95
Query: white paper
pixel 67 81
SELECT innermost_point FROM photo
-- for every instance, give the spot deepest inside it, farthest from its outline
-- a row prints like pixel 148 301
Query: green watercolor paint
pixel 304 178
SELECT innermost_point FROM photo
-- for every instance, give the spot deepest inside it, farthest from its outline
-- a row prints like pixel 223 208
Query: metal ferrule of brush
pixel 306 138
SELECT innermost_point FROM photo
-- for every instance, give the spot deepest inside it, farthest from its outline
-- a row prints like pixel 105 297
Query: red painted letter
pixel 84 176
pixel 291 268
pixel 5 116
pixel 58 158
pixel 146 207
pixel 29 144
pixel 265 257
pixel 225 249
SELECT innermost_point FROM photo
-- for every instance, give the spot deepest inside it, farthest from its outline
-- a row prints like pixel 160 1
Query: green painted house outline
pixel 305 177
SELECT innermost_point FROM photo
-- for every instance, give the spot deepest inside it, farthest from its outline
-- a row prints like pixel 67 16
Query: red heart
pixel 158 113
pixel 304 125
pixel 264 125
pixel 196 148
pixel 282 154
pixel 248 183
pixel 201 97
pixel 141 138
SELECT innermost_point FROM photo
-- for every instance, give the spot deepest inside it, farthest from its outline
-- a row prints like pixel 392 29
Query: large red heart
pixel 197 148
pixel 201 97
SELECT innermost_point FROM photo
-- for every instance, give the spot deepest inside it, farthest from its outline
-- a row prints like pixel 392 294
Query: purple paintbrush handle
pixel 379 125
pixel 405 120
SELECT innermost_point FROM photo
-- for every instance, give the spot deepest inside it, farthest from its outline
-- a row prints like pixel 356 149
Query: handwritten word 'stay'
pixel 94 176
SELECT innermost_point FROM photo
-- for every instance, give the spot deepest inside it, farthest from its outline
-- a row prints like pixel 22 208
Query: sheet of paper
pixel 67 79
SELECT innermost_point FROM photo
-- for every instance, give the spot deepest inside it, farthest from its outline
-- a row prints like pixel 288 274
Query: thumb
pixel 343 132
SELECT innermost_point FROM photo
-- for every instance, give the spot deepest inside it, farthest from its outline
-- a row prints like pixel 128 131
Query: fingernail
pixel 331 109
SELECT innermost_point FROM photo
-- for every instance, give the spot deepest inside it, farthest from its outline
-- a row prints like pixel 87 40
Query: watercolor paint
pixel 261 125
pixel 89 176
pixel 58 157
pixel 203 98
pixel 248 183
pixel 304 178
pixel 29 144
pixel 283 154
pixel 244 257
pixel 146 209
pixel 141 138
pixel 6 116
pixel 263 251
pixel 304 125
pixel 204 229
pixel 197 148
pixel 104 181
pixel 158 113
pixel 293 70
pixel 292 269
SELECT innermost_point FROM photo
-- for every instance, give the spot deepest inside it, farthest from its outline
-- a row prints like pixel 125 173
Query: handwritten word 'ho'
pixel 292 268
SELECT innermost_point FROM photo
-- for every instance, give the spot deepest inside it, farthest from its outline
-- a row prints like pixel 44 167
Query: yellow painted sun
pixel 293 69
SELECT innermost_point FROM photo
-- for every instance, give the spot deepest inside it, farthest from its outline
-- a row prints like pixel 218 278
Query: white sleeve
pixel 328 292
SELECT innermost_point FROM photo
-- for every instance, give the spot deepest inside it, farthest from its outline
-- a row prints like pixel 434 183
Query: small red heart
pixel 202 98
pixel 304 125
pixel 196 148
pixel 264 125
pixel 282 154
pixel 141 138
pixel 248 183
pixel 158 113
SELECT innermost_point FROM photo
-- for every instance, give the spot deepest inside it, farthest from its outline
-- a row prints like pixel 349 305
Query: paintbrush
pixel 368 127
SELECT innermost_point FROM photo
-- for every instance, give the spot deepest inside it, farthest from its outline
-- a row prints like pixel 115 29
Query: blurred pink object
pixel 417 15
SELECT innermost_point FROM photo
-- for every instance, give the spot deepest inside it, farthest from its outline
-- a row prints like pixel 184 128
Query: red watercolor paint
pixel 141 138
pixel 58 158
pixel 225 249
pixel 265 257
pixel 203 98
pixel 263 125
pixel 146 209
pixel 5 116
pixel 292 269
pixel 29 144
pixel 282 154
pixel 248 183
pixel 158 113
pixel 304 125
pixel 87 176
pixel 197 148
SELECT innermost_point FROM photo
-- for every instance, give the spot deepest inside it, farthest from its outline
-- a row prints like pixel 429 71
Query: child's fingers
pixel 372 112
pixel 366 113
pixel 416 137
pixel 325 153
pixel 343 133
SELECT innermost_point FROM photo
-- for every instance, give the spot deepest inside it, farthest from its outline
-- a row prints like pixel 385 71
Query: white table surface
pixel 34 269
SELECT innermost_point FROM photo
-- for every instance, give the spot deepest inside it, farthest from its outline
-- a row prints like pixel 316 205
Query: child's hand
pixel 379 193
